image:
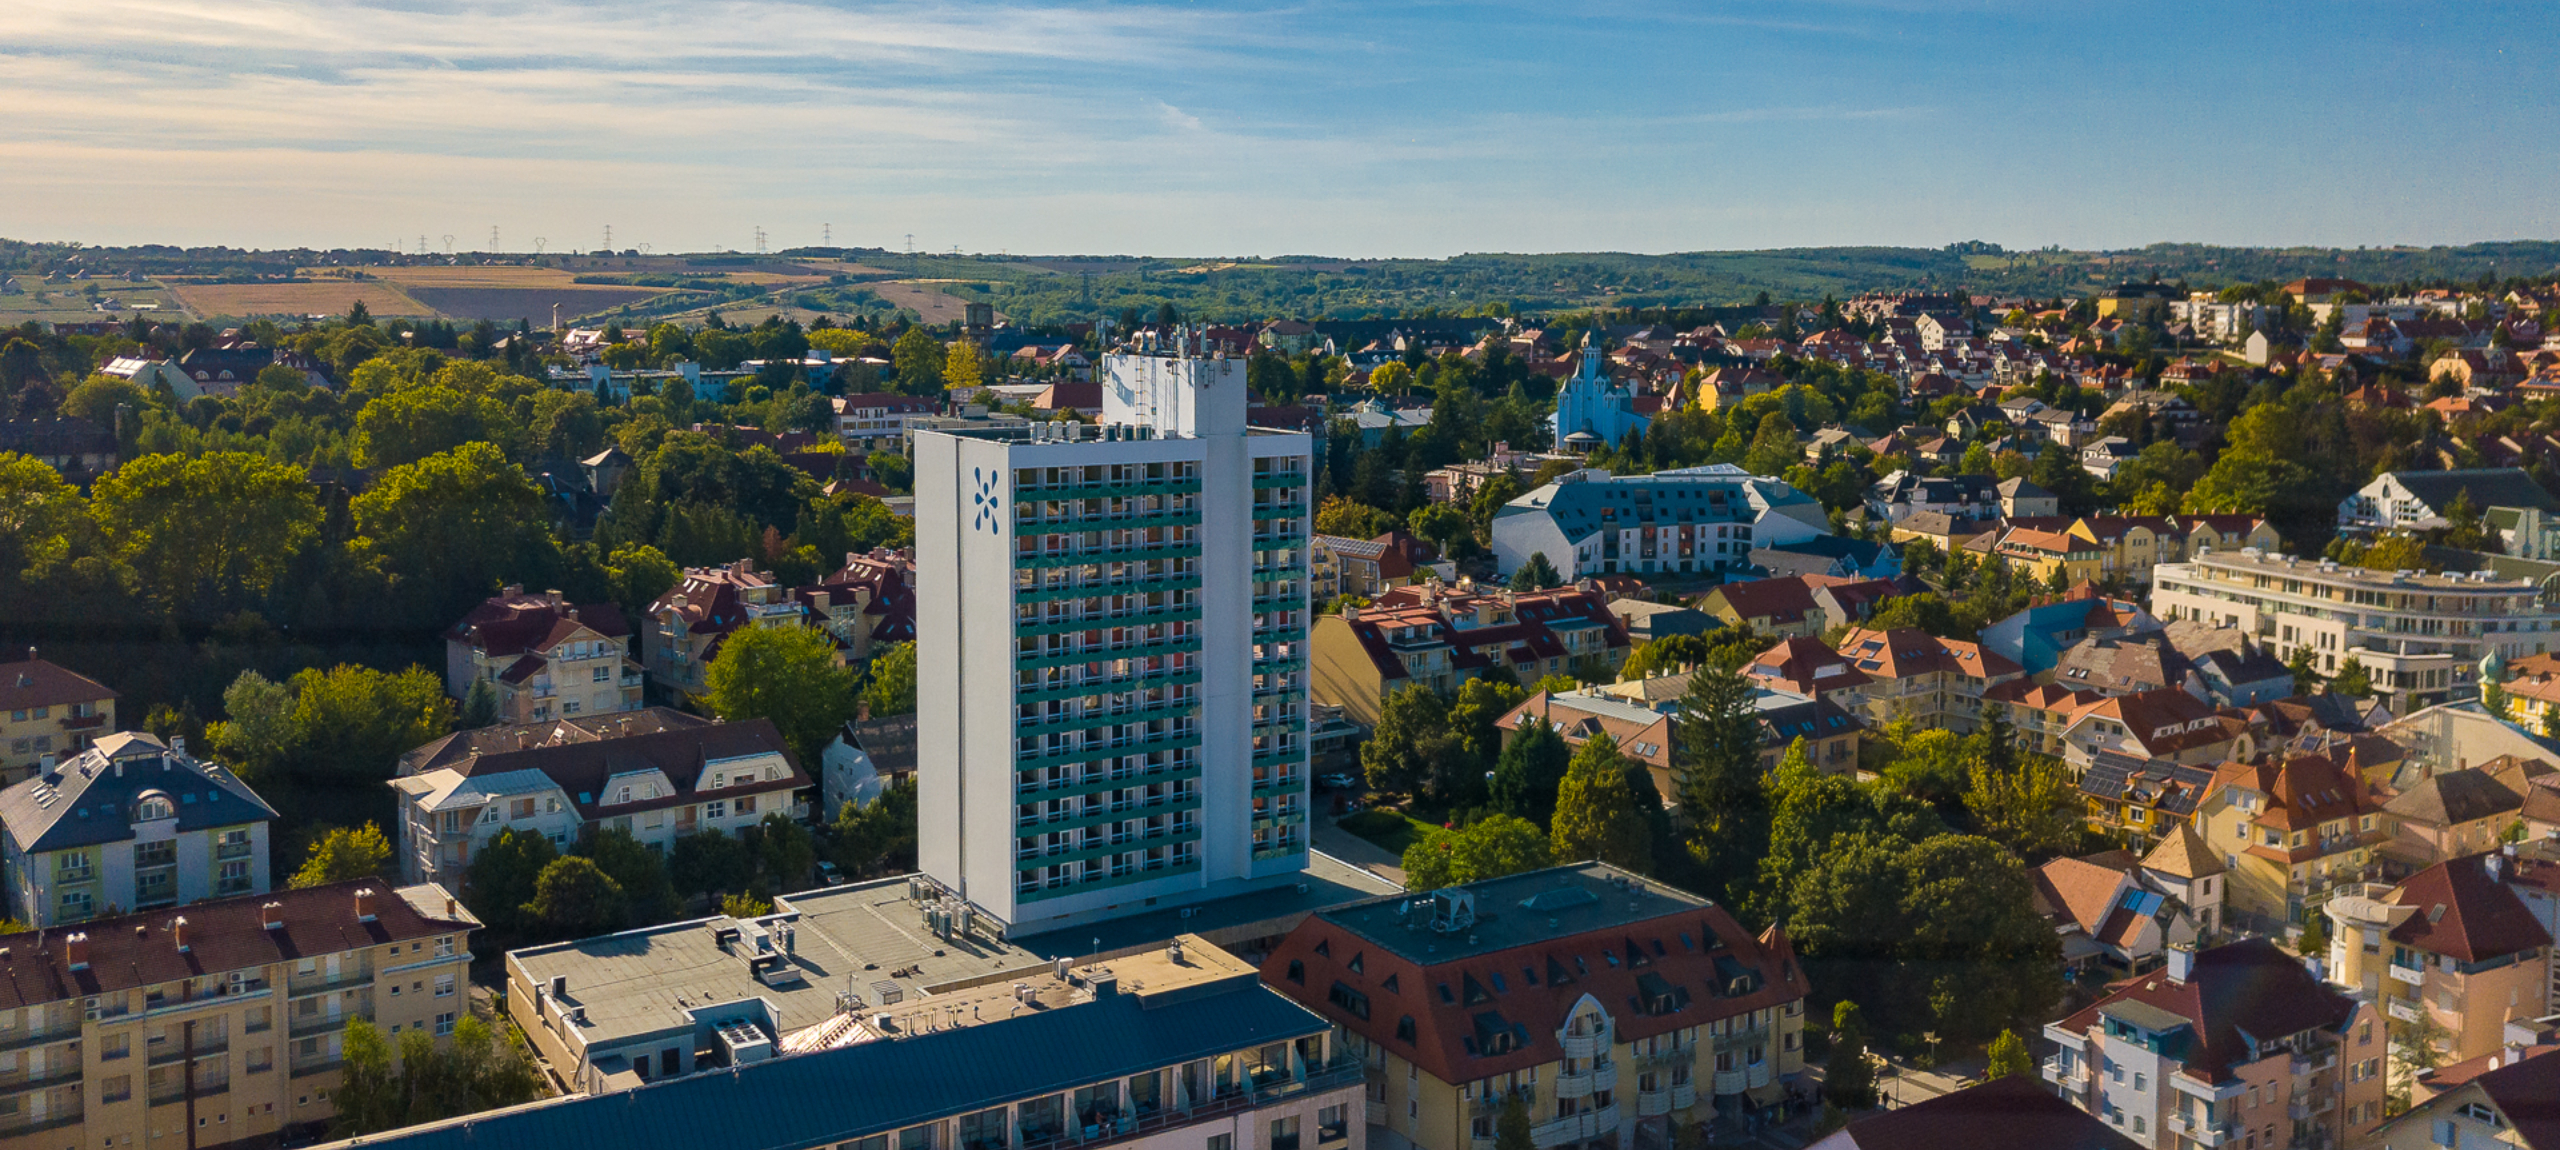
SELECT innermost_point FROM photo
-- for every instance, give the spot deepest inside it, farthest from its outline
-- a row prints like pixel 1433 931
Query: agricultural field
pixel 506 294
pixel 299 298
pixel 926 300
pixel 70 301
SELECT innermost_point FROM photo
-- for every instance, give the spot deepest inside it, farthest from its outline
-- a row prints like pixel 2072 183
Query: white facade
pixel 1696 519
pixel 1111 628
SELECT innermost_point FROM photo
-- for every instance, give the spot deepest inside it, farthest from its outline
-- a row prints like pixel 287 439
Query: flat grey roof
pixel 846 938
pixel 1228 921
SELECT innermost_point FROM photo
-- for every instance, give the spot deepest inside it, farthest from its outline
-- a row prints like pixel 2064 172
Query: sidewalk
pixel 1357 851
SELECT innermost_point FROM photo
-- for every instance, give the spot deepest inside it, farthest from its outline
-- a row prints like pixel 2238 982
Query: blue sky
pixel 1211 128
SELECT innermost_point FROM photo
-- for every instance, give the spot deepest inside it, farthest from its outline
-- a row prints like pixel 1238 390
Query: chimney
pixel 178 744
pixel 271 916
pixel 75 950
pixel 513 590
pixel 178 928
pixel 364 904
pixel 2182 962
pixel 552 596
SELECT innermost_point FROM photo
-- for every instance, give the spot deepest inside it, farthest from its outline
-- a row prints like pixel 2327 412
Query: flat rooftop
pixel 865 939
pixel 1230 921
pixel 2297 567
pixel 1515 910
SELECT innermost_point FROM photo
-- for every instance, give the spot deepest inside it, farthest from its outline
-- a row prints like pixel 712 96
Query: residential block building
pixel 1692 520
pixel 657 774
pixel 2293 833
pixel 1338 566
pixel 1441 637
pixel 2451 944
pixel 1936 682
pixel 1607 1004
pixel 1783 606
pixel 2419 635
pixel 866 604
pixel 2413 500
pixel 543 656
pixel 878 421
pixel 131 823
pixel 2449 814
pixel 1112 650
pixel 217 1023
pixel 1159 1049
pixel 48 712
pixel 2508 1105
pixel 2235 1046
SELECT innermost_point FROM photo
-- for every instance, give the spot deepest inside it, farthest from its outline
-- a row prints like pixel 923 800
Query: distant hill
pixel 1050 289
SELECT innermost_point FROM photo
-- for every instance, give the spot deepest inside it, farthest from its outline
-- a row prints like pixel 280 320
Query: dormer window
pixel 152 807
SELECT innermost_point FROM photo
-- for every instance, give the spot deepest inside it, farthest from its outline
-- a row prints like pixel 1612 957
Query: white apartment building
pixel 1111 650
pixel 1693 519
pixel 657 774
pixel 130 824
pixel 2420 636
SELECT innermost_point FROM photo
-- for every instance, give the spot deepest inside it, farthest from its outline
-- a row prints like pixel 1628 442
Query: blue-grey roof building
pixel 1694 520
pixel 1167 1046
pixel 131 823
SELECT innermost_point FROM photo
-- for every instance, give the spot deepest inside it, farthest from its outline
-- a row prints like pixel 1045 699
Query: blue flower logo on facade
pixel 989 514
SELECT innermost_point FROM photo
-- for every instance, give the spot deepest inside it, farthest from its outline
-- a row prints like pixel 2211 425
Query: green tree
pixel 890 688
pixel 343 854
pixel 1444 525
pixel 919 358
pixel 369 1097
pixel 1530 771
pixel 479 706
pixel 503 878
pixel 413 423
pixel 1849 1077
pixel 38 512
pixel 1535 574
pixel 2010 1057
pixel 1511 1129
pixel 649 894
pixel 787 676
pixel 2352 681
pixel 1666 655
pixel 449 529
pixel 1717 772
pixel 640 573
pixel 352 723
pixel 1413 723
pixel 2033 808
pixel 709 862
pixel 98 396
pixel 574 898
pixel 876 838
pixel 1492 847
pixel 1351 519
pixel 2306 670
pixel 220 528
pixel 784 851
pixel 2313 942
pixel 258 737
pixel 1597 816
pixel 1475 718
pixel 963 366
pixel 745 906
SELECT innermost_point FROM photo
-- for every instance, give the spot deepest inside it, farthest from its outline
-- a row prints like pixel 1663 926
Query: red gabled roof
pixel 2244 989
pixel 513 623
pixel 2463 913
pixel 33 682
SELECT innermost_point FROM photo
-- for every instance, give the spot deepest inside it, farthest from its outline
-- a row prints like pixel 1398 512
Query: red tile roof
pixel 2464 913
pixel 2244 989
pixel 34 682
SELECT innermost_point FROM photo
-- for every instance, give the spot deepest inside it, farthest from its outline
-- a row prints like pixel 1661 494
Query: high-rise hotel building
pixel 1111 627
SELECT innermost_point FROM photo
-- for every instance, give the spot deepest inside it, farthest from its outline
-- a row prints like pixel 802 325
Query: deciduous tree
pixel 1492 847
pixel 788 676
pixel 343 854
pixel 1597 816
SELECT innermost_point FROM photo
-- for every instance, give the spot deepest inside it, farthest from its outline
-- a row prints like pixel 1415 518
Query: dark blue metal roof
pixel 808 1100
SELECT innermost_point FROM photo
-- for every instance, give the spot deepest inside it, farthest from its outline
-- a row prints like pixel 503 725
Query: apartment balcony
pixel 301 986
pixel 54 1120
pixel 2401 1009
pixel 2202 1132
pixel 43 1036
pixel 2414 976
pixel 320 1024
pixel 1731 1081
pixel 1584 1045
pixel 174 1051
pixel 56 1074
pixel 1684 1095
pixel 1653 1103
pixel 83 722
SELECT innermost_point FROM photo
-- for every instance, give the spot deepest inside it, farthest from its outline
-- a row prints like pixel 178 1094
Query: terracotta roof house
pixel 543 655
pixel 1543 986
pixel 2139 800
pixel 2448 814
pixel 687 624
pixel 1804 666
pixel 2454 943
pixel 2294 832
pixel 1780 605
pixel 1441 637
pixel 2515 1104
pixel 1937 682
pixel 866 604
pixel 1340 566
pixel 48 713
pixel 2192 1050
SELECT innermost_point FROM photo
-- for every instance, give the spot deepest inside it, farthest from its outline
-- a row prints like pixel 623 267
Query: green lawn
pixel 1393 830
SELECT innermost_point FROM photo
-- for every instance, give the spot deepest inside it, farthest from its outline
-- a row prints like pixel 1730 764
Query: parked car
pixel 1339 782
pixel 828 874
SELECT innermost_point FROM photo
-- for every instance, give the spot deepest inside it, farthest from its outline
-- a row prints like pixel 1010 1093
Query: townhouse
pixel 2451 950
pixel 2234 1046
pixel 131 823
pixel 542 656
pixel 219 1023
pixel 659 775
pixel 1337 566
pixel 2111 913
pixel 1695 520
pixel 688 623
pixel 1783 606
pixel 1935 682
pixel 2506 1104
pixel 2139 801
pixel 1441 637
pixel 866 604
pixel 2413 500
pixel 2294 833
pixel 48 712
pixel 1608 1006
pixel 2448 814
